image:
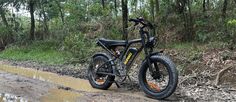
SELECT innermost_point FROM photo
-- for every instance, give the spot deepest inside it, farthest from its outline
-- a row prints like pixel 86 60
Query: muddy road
pixel 18 84
pixel 21 84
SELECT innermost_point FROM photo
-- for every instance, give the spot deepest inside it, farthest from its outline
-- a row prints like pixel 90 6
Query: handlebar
pixel 141 21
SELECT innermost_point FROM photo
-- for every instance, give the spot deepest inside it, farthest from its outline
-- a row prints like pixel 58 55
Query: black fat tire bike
pixel 157 76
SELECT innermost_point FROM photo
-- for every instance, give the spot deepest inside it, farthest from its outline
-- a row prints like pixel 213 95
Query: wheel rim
pixel 160 84
pixel 98 79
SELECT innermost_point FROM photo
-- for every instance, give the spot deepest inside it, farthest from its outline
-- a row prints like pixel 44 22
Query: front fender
pixel 152 57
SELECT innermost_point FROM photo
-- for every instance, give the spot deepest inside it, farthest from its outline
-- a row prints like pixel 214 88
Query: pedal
pixel 131 83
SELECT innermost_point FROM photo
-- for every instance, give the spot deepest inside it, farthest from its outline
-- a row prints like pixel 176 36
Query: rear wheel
pixel 100 64
pixel 163 82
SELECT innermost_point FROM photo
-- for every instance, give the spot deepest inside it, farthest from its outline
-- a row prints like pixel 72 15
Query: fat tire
pixel 110 79
pixel 173 78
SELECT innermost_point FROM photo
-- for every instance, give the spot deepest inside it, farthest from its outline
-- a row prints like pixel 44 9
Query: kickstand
pixel 118 86
pixel 129 79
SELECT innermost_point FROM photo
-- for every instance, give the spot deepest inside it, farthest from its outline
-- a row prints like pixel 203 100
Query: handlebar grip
pixel 142 21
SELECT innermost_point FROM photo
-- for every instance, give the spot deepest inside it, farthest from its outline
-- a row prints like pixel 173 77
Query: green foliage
pixel 44 52
pixel 202 36
pixel 78 45
pixel 4 32
pixel 5 36
pixel 232 22
pixel 75 24
pixel 232 30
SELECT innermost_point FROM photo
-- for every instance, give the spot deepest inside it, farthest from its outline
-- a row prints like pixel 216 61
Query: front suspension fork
pixel 154 70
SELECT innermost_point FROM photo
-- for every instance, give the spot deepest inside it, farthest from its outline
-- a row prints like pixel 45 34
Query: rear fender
pixel 108 57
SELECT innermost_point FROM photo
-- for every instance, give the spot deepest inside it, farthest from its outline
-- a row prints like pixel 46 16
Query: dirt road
pixel 29 84
pixel 21 84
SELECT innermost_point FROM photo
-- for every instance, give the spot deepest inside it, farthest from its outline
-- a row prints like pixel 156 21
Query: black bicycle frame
pixel 128 44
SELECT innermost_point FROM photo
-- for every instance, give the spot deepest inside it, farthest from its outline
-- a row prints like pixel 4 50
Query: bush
pixel 78 45
pixel 232 28
pixel 5 36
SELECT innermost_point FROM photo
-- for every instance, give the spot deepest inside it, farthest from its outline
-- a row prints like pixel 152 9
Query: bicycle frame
pixel 128 44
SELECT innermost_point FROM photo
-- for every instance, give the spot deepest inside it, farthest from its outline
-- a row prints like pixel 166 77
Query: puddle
pixel 4 97
pixel 59 95
pixel 54 95
pixel 74 83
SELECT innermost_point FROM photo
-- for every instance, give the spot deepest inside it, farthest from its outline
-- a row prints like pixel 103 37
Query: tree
pixel 103 4
pixel 152 12
pixel 125 18
pixel 44 16
pixel 31 5
pixel 8 38
pixel 61 11
pixel 115 4
pixel 3 16
pixel 3 4
pixel 190 22
pixel 157 7
pixel 224 9
pixel 204 6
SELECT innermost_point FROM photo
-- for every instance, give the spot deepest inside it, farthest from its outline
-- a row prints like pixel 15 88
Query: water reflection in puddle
pixel 54 95
pixel 74 83
pixel 4 97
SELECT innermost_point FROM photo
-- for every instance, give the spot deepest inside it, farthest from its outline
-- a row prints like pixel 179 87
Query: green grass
pixel 42 52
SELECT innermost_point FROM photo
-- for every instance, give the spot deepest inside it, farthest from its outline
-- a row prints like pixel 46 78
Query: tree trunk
pixel 115 3
pixel 208 4
pixel 224 9
pixel 32 29
pixel 152 16
pixel 125 18
pixel 191 36
pixel 156 17
pixel 188 22
pixel 103 4
pixel 204 6
pixel 224 16
pixel 157 7
pixel 167 13
pixel 61 12
pixel 45 21
pixel 3 16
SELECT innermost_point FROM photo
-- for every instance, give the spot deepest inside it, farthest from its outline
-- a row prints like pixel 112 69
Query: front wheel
pixel 162 82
